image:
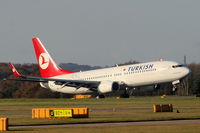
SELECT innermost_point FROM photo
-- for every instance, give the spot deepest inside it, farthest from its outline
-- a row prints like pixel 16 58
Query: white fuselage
pixel 132 75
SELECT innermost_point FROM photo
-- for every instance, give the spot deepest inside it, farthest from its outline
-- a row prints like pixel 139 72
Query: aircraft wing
pixel 71 83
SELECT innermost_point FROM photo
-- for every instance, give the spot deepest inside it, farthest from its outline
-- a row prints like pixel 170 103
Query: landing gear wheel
pixel 174 89
pixel 125 95
pixel 100 96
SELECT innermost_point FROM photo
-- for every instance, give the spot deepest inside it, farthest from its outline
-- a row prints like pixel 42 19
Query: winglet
pixel 15 72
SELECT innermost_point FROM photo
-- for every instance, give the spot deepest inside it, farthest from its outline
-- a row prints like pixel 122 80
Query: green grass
pixel 101 110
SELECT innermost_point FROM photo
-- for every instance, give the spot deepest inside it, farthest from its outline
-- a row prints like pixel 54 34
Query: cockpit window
pixel 175 66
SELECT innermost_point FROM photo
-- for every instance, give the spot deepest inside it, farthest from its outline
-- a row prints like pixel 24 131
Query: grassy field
pixel 102 110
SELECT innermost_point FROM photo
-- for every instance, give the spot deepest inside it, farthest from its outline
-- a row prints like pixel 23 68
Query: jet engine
pixel 52 85
pixel 108 86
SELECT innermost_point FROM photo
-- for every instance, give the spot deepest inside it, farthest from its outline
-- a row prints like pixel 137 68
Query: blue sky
pixel 101 32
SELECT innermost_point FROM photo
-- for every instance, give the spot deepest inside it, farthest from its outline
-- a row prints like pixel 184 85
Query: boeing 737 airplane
pixel 101 81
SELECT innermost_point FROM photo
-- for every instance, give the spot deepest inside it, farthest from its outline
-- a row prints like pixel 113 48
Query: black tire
pixel 124 95
pixel 100 96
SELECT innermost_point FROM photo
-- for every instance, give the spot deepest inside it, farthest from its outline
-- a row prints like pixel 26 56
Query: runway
pixel 141 123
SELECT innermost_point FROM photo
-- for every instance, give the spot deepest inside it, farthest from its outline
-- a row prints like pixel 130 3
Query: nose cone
pixel 186 71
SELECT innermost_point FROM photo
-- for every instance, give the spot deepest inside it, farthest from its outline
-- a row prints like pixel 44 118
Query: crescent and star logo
pixel 43 60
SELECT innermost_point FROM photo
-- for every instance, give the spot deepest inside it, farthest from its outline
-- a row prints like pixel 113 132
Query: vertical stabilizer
pixel 47 66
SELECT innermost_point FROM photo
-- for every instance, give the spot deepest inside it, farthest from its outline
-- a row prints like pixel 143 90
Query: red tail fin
pixel 47 66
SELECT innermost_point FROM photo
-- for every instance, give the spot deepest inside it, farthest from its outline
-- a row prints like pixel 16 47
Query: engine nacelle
pixel 54 86
pixel 44 85
pixel 108 86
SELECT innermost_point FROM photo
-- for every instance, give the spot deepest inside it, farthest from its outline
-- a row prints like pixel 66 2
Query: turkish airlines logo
pixel 44 60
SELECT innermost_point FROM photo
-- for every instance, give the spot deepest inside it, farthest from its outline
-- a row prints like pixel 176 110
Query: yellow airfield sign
pixel 61 112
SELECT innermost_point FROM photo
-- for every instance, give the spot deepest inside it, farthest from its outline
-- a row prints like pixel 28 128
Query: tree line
pixel 16 89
